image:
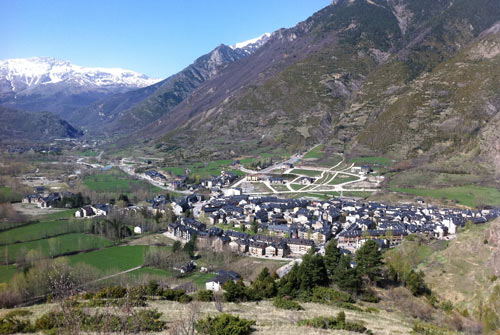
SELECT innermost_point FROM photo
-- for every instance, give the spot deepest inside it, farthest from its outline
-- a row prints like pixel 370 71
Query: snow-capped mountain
pixel 18 75
pixel 253 44
pixel 48 84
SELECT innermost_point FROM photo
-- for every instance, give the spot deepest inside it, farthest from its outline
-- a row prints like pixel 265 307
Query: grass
pixel 8 195
pixel 316 152
pixel 297 187
pixel 466 195
pixel 340 180
pixel 356 194
pixel 7 272
pixel 60 245
pixel 383 161
pixel 118 182
pixel 42 230
pixel 309 173
pixel 117 258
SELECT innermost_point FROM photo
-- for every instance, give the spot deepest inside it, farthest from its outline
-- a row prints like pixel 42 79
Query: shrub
pixel 224 324
pixel 372 310
pixel 428 329
pixel 204 295
pixel 336 323
pixel 369 296
pixel 287 304
pixel 325 295
pixel 175 295
pixel 447 306
pixel 13 322
pixel 111 292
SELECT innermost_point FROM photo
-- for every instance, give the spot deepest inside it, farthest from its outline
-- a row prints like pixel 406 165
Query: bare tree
pixel 218 302
pixel 187 325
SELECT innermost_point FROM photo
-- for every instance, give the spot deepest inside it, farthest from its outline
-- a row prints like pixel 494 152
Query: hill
pixel 463 272
pixel 411 80
pixel 129 111
pixel 21 125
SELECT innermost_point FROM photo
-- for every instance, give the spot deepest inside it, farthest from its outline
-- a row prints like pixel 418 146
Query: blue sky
pixel 157 38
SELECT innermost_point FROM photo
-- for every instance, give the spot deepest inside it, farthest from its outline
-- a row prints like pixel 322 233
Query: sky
pixel 157 38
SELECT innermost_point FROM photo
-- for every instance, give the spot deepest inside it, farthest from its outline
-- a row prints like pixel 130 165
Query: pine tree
pixel 346 277
pixel 369 260
pixel 312 271
pixel 332 256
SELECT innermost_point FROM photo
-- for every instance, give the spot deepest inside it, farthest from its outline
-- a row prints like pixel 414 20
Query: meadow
pixel 43 229
pixel 54 246
pixel 309 173
pixel 469 195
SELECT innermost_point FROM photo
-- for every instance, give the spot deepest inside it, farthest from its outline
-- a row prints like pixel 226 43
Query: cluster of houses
pixel 93 210
pixel 290 227
pixel 45 200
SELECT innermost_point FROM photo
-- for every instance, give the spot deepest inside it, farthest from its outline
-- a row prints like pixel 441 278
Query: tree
pixel 176 246
pixel 264 286
pixel 369 260
pixel 235 292
pixel 124 197
pixel 255 227
pixel 416 284
pixel 345 276
pixel 312 271
pixel 332 256
pixel 190 247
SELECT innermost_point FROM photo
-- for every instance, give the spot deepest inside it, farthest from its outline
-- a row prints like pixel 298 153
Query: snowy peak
pixel 21 74
pixel 253 44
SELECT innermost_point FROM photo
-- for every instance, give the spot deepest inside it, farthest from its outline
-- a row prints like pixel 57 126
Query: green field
pixel 115 258
pixel 42 230
pixel 115 181
pixel 205 170
pixel 297 187
pixel 466 195
pixel 317 152
pixel 383 161
pixel 309 173
pixel 8 195
pixel 339 179
pixel 56 245
pixel 7 272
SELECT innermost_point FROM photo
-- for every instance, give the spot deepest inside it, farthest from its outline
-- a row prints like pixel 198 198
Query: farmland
pixel 54 246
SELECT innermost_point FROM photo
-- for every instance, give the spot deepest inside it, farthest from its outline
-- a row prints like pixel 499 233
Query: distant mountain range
pixel 45 83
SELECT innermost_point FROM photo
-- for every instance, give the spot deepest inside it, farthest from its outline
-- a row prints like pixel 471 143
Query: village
pixel 276 227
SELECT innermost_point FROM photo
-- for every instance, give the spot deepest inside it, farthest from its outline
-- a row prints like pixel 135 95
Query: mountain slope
pixel 45 83
pixel 122 113
pixel 34 127
pixel 334 77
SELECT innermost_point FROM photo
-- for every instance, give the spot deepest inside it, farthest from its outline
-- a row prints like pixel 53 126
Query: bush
pixel 141 321
pixel 325 295
pixel 175 295
pixel 224 324
pixel 336 323
pixel 428 329
pixel 287 304
pixel 204 295
pixel 111 292
pixel 13 323
pixel 369 296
